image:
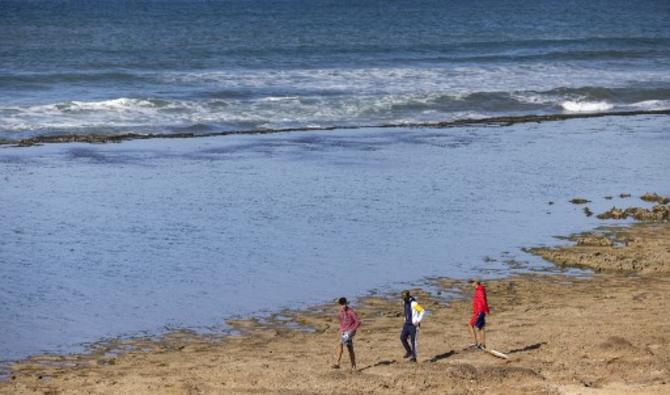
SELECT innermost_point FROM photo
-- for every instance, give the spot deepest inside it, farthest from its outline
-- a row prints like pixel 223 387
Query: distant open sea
pixel 166 66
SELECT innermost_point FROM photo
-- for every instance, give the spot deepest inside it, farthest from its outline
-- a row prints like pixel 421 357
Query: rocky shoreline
pixel 563 334
pixel 641 248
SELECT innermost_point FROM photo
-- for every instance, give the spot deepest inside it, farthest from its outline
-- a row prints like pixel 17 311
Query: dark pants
pixel 409 330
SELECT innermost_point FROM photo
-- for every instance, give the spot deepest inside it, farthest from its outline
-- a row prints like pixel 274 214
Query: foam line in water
pixel 576 106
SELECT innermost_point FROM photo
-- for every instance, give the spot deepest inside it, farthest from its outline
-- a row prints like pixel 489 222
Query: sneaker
pixel 335 366
pixel 408 355
pixel 412 359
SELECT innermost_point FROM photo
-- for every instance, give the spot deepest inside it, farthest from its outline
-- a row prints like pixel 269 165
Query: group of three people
pixel 413 314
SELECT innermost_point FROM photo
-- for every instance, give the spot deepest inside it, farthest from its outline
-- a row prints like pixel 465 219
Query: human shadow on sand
pixel 442 356
pixel 528 348
pixel 385 362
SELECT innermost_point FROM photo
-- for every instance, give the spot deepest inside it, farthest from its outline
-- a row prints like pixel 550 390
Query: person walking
pixel 413 315
pixel 349 323
pixel 480 308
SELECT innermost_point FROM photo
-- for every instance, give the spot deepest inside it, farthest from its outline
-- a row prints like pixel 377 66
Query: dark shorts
pixel 478 320
pixel 347 338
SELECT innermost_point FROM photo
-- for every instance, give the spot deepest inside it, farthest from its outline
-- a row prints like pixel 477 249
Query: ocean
pixel 111 67
pixel 105 240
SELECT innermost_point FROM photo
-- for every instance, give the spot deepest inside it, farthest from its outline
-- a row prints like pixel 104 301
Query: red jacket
pixel 479 302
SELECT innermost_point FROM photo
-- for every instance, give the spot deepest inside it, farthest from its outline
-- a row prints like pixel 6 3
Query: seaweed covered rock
pixel 613 213
pixel 594 241
pixel 658 213
pixel 654 197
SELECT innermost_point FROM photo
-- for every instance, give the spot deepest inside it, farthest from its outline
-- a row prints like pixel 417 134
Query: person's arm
pixel 482 303
pixel 482 307
pixel 339 320
pixel 356 321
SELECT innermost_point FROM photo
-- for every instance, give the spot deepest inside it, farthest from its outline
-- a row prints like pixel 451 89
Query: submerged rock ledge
pixel 492 121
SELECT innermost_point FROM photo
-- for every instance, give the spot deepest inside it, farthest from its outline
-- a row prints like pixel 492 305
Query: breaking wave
pixel 215 101
pixel 576 106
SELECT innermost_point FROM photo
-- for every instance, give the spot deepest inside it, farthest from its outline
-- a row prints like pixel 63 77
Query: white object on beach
pixel 495 353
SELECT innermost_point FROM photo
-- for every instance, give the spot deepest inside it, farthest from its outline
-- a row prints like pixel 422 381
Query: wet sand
pixel 601 334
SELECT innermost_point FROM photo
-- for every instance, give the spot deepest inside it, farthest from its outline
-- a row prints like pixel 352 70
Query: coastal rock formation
pixel 654 197
pixel 594 241
pixel 613 213
pixel 658 213
pixel 641 248
pixel 542 322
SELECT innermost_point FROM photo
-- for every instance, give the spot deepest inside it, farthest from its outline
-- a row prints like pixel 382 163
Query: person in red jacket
pixel 480 308
pixel 349 323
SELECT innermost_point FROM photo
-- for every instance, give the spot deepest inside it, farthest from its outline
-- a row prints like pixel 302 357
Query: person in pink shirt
pixel 349 323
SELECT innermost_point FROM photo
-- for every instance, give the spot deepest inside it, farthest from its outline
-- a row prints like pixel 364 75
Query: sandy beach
pixel 605 333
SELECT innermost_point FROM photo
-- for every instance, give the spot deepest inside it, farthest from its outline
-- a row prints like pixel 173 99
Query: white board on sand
pixel 495 353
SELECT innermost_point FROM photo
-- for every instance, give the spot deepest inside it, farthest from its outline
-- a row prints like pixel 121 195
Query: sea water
pixel 146 236
pixel 168 66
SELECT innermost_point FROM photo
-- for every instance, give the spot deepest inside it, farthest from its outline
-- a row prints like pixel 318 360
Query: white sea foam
pixel 332 97
pixel 651 105
pixel 586 106
pixel 461 80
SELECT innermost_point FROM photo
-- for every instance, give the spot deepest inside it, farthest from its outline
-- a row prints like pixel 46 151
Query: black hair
pixel 343 301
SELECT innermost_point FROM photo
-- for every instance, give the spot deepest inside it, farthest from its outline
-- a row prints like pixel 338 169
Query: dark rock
pixel 654 197
pixel 579 201
pixel 588 211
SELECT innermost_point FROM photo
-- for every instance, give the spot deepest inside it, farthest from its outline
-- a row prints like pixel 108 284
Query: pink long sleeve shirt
pixel 349 320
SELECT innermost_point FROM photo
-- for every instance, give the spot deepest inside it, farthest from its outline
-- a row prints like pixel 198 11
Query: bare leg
pixel 352 356
pixel 474 334
pixel 483 337
pixel 338 352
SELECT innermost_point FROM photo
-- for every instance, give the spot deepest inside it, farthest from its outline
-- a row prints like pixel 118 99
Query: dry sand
pixel 604 334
